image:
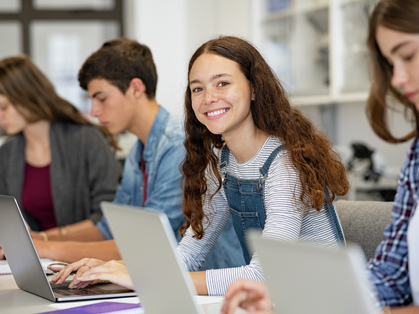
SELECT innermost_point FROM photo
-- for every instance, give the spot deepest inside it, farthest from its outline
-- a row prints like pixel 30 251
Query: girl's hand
pixel 112 271
pixel 250 295
pixel 79 268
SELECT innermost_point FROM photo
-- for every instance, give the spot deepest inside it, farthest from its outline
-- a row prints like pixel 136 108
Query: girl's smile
pixel 221 95
pixel 215 114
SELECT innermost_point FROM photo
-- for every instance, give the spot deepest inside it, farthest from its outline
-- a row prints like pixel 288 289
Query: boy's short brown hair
pixel 119 61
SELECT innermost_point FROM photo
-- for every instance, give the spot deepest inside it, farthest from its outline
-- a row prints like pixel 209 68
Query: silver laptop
pixel 147 245
pixel 310 279
pixel 26 266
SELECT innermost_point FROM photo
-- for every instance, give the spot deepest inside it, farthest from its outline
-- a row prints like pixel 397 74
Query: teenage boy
pixel 121 80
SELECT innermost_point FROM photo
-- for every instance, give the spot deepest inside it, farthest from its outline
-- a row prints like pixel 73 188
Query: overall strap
pixel 225 153
pixel 265 168
pixel 335 220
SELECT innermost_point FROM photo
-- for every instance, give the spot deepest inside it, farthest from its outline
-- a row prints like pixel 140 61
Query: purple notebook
pixel 102 307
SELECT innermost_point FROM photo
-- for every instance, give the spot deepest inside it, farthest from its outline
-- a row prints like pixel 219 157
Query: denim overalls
pixel 246 203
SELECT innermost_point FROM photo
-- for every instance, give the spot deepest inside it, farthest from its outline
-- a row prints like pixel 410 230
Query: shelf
pixel 292 11
pixel 328 99
pixel 317 48
pixel 271 17
pixel 312 8
pixel 345 2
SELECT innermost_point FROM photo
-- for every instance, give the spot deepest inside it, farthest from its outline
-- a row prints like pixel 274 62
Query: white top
pixel 413 249
pixel 286 217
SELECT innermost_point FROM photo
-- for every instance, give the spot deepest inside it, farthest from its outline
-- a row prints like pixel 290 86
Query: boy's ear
pixel 137 86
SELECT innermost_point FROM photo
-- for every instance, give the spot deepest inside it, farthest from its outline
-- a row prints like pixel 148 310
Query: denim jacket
pixel 163 153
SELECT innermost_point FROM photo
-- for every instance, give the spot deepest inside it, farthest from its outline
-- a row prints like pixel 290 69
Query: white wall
pixel 162 25
pixel 353 126
pixel 208 19
pixel 174 29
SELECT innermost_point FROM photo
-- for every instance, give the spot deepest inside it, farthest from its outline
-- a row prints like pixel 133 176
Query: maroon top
pixel 37 195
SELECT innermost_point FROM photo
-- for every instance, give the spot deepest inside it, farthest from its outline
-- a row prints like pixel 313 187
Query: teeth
pixel 215 113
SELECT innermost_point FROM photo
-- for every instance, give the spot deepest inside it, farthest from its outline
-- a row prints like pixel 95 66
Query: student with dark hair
pixel 53 159
pixel 250 157
pixel 393 43
pixel 121 79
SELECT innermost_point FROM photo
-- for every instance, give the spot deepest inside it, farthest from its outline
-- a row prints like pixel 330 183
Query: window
pixel 58 35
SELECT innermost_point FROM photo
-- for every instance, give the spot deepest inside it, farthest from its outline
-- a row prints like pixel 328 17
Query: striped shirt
pixel 286 217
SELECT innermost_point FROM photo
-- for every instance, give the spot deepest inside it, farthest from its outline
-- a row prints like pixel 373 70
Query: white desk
pixel 16 301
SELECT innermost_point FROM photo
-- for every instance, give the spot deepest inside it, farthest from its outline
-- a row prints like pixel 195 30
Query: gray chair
pixel 363 222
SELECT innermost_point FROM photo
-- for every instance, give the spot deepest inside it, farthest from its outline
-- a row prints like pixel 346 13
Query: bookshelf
pixel 318 48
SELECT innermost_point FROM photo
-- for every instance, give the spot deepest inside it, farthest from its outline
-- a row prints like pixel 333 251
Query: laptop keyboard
pixel 91 290
pixel 85 291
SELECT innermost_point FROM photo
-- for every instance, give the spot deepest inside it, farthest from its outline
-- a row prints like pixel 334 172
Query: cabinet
pixel 318 48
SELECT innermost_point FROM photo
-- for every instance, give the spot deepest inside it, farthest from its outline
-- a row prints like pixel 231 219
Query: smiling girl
pixel 254 157
pixel 251 156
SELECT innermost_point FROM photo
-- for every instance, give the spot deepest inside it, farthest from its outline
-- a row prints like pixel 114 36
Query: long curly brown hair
pixel 311 151
pixel 402 16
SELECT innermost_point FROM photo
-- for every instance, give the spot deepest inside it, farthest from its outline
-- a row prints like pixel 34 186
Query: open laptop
pixel 147 244
pixel 304 278
pixel 27 269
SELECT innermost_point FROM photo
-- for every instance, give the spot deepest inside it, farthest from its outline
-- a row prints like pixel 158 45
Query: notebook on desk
pixel 310 279
pixel 27 269
pixel 147 245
